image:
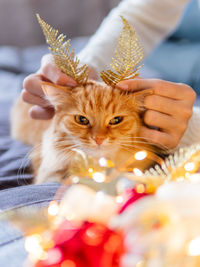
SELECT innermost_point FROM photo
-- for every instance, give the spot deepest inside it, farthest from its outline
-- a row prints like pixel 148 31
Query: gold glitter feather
pixel 181 165
pixel 128 54
pixel 63 58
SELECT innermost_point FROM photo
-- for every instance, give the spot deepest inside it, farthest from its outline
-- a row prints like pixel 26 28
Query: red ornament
pixel 91 245
pixel 132 196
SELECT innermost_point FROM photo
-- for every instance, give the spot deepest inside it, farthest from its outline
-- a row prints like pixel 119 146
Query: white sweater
pixel 153 20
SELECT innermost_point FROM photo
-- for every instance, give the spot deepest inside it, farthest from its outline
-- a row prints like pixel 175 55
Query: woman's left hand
pixel 169 108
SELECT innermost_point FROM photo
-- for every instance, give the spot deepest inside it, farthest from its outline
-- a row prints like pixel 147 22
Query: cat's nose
pixel 99 139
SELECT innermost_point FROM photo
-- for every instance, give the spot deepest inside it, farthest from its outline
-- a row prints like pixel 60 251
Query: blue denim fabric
pixel 12 252
pixel 178 58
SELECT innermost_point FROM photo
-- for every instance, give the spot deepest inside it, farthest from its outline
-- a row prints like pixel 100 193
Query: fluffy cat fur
pixel 54 139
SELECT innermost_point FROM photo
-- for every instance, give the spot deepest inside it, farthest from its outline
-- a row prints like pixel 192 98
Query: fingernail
pixel 66 80
pixel 71 84
pixel 122 85
pixel 40 113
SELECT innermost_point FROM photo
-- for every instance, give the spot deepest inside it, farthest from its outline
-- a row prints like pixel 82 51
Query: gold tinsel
pixel 128 55
pixel 65 60
pixel 158 220
pixel 181 164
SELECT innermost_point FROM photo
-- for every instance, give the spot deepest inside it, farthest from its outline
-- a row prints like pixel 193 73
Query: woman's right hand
pixel 33 93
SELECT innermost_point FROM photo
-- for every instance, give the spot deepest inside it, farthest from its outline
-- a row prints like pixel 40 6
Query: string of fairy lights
pixel 98 193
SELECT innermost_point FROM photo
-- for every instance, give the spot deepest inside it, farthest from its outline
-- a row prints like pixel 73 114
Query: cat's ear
pixel 57 95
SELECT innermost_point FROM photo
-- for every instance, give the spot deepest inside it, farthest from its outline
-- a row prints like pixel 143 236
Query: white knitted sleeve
pixel 152 20
pixel 192 134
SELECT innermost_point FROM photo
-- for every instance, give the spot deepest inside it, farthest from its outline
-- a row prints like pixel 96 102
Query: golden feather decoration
pixel 128 54
pixel 63 58
pixel 181 164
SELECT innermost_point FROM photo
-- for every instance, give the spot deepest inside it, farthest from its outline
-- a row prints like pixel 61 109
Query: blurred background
pixel 22 42
pixel 18 24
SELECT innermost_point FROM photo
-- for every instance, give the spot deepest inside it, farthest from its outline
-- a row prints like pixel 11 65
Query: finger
pixel 174 108
pixel 53 73
pixel 162 121
pixel 172 90
pixel 161 139
pixel 40 113
pixel 32 84
pixel 163 88
pixel 136 84
pixel 34 100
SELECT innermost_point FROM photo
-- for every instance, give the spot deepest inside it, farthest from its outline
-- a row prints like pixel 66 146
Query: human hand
pixel 169 109
pixel 33 93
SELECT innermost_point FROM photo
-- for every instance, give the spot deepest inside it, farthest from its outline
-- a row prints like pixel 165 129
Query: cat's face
pixel 96 118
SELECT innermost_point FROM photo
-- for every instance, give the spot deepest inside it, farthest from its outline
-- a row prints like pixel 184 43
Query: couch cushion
pixel 72 17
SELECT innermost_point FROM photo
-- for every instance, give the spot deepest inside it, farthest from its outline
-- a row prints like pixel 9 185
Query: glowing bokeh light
pixel 100 195
pixel 112 243
pixel 141 264
pixel 137 172
pixel 70 216
pixel 34 248
pixel 140 188
pixel 119 199
pixel 53 208
pixel 190 166
pixel 75 179
pixel 140 155
pixel 90 170
pixel 194 247
pixel 94 235
pixel 98 177
pixel 32 242
pixel 68 263
pixel 103 162
pixel 195 178
pixel 54 257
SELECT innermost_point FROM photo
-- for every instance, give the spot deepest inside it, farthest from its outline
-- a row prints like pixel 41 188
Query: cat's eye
pixel 81 119
pixel 116 120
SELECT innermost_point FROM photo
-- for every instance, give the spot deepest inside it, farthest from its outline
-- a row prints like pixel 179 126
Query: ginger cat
pixel 96 118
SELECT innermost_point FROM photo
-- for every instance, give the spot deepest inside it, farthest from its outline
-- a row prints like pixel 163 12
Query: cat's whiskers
pixel 85 142
pixel 164 148
pixel 65 141
pixel 65 157
pixel 133 140
pixel 138 147
pixel 136 141
pixel 20 172
pixel 143 141
pixel 135 137
pixel 26 159
pixel 128 150
pixel 66 149
pixel 61 140
pixel 148 149
pixel 63 144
